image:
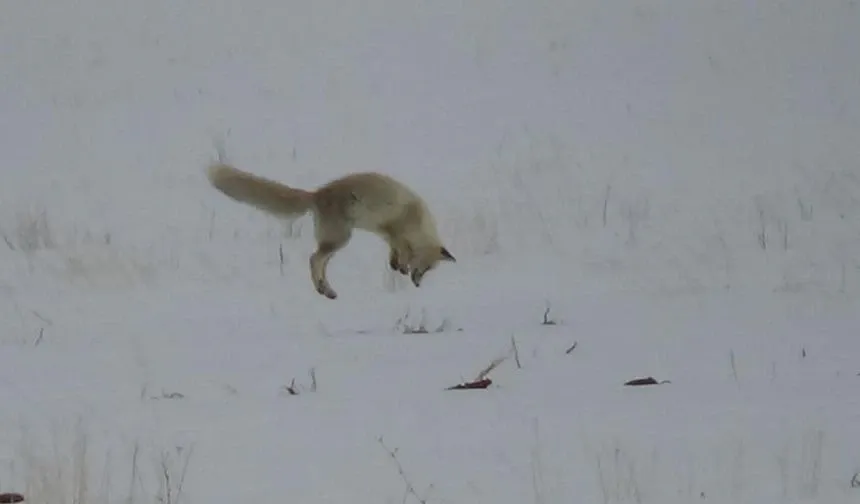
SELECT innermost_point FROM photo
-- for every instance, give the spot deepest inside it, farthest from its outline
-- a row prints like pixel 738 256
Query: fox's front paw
pixel 395 265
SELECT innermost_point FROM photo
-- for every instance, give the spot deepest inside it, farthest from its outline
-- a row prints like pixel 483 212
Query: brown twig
pixel 291 388
pixel 638 382
pixel 477 384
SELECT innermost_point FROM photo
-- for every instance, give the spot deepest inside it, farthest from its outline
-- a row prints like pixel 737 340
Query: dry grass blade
pixel 410 489
pixel 487 370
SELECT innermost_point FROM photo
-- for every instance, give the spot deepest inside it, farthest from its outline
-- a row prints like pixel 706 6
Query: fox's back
pixel 374 188
pixel 370 200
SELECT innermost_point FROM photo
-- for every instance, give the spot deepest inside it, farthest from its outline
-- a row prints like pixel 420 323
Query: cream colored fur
pixel 368 201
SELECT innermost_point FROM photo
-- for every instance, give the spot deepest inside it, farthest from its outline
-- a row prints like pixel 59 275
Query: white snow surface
pixel 675 186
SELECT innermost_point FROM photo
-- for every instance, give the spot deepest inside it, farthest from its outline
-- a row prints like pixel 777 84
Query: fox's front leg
pixel 397 262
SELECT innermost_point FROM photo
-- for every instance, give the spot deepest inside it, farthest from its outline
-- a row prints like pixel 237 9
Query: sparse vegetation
pixel 482 380
pixel 409 490
pixel 32 233
pixel 293 389
pixel 174 467
pixel 65 473
pixel 516 352
pixel 547 320
pixel 163 395
pixel 406 325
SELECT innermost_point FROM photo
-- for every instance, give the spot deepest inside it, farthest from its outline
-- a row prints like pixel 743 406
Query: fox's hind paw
pixel 326 291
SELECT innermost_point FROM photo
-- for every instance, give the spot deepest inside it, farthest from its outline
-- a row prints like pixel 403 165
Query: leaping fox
pixel 369 201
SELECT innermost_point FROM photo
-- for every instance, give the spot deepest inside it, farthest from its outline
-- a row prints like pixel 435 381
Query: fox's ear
pixel 446 256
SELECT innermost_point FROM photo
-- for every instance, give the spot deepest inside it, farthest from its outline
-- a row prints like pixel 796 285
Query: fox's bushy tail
pixel 264 194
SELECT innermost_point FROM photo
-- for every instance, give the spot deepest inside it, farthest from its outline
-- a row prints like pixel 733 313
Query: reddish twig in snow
pixel 478 384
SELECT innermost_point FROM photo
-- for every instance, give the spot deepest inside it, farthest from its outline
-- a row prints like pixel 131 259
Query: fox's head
pixel 426 260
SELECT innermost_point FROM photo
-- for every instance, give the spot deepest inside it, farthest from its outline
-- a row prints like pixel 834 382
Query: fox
pixel 369 201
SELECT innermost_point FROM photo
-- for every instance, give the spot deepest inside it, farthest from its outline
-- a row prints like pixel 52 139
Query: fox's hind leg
pixel 330 239
pixel 319 263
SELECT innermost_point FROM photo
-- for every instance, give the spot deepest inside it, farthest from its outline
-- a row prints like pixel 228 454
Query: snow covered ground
pixel 674 186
